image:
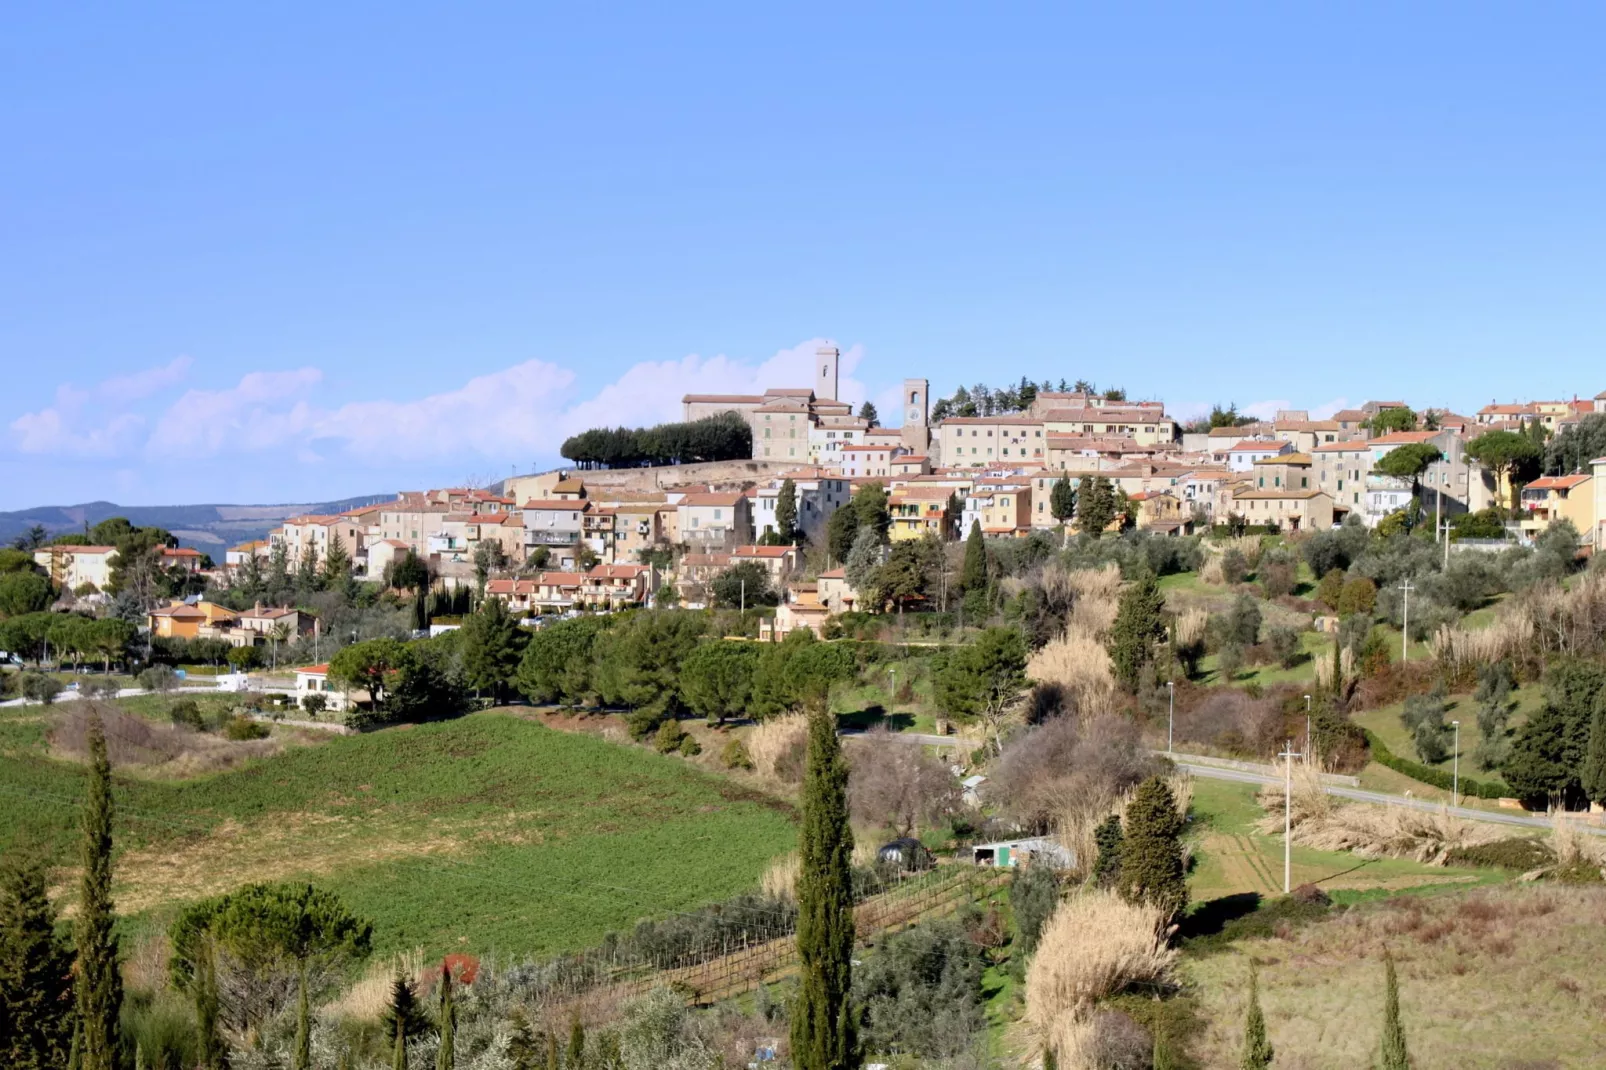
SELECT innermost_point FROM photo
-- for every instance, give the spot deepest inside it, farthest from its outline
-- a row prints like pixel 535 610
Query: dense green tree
pixel 1151 852
pixel 99 982
pixel 982 678
pixel 797 671
pixel 489 558
pixel 746 583
pixel 524 1046
pixel 1593 776
pixel 408 572
pixel 870 506
pixel 1108 838
pixel 1576 445
pixel 862 564
pixel 369 666
pixel 716 679
pixel 1512 455
pixel 638 664
pixel 23 592
pixel 36 987
pixel 1409 462
pixel 823 1021
pixel 492 646
pixel 1095 507
pixel 1139 625
pixel 867 412
pixel 446 1022
pixel 1388 421
pixel 1394 1054
pixel 723 437
pixel 840 533
pixel 786 511
pixel 1062 500
pixel 1547 757
pixel 557 664
pixel 1257 1049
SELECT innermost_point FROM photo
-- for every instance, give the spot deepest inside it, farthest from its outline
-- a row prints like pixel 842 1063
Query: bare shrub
pixel 1116 1042
pixel 134 742
pixel 1078 662
pixel 1095 945
pixel 773 744
pixel 896 785
pixel 1052 773
pixel 369 998
pixel 1230 720
pixel 1213 572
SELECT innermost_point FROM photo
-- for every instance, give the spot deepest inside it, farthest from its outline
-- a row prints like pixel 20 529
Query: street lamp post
pixel 1307 724
pixel 1171 714
pixel 1405 621
pixel 1288 757
pixel 1455 766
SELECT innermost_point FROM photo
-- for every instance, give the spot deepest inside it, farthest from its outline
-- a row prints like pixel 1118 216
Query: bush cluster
pixel 1438 778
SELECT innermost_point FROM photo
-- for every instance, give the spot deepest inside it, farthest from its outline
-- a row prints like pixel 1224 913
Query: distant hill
pixel 209 528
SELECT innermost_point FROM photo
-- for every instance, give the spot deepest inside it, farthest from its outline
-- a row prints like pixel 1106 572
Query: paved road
pixel 1384 799
pixel 1242 776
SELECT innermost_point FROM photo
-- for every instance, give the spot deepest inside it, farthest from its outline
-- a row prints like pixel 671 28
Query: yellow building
pixel 917 511
pixel 1553 498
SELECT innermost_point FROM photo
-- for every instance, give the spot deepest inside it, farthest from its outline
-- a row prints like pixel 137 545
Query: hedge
pixel 1438 778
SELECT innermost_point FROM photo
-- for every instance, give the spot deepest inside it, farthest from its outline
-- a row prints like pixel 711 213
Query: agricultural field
pixel 1490 979
pixel 485 834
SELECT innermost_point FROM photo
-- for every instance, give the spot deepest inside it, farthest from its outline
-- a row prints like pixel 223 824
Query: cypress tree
pixel 1151 853
pixel 301 1054
pixel 404 1019
pixel 1062 500
pixel 1593 774
pixel 822 1027
pixel 36 988
pixel 99 989
pixel 1139 624
pixel 1257 1051
pixel 973 574
pixel 522 1047
pixel 209 1045
pixel 575 1058
pixel 786 511
pixel 1108 837
pixel 446 1055
pixel 1395 1057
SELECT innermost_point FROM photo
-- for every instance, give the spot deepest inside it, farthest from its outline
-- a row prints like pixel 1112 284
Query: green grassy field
pixel 488 833
pixel 1385 721
pixel 1232 858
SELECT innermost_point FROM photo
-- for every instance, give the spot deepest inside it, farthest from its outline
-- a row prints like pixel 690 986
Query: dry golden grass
pixel 1078 662
pixel 1191 625
pixel 771 741
pixel 1489 980
pixel 1098 598
pixel 1212 573
pixel 1095 945
pixel 1324 668
pixel 368 999
pixel 1324 823
pixel 779 882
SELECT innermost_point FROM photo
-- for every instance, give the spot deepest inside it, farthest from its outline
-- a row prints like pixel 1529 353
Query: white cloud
pixel 1325 412
pixel 521 412
pixel 263 410
pixel 1266 410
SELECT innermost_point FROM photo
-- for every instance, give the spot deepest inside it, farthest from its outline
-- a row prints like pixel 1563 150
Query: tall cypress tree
pixel 1395 1056
pixel 446 1054
pixel 1593 774
pixel 823 1028
pixel 404 1020
pixel 1139 624
pixel 1257 1051
pixel 301 1054
pixel 786 511
pixel 575 1058
pixel 522 1047
pixel 99 989
pixel 36 988
pixel 1151 852
pixel 973 574
pixel 209 1046
pixel 1107 866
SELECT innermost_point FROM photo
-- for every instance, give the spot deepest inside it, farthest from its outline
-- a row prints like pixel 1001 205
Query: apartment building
pixel 987 441
pixel 918 510
pixel 77 567
pixel 715 519
pixel 818 496
pixel 1289 510
pixel 1001 506
pixel 1552 498
pixel 1146 423
pixel 1243 454
pixel 860 462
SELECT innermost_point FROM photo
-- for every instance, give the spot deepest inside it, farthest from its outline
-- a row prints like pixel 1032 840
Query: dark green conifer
pixel 99 986
pixel 1395 1055
pixel 1257 1051
pixel 36 988
pixel 1151 852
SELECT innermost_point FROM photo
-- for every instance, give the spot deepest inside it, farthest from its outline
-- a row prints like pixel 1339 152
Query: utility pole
pixel 1405 621
pixel 1446 532
pixel 1288 757
pixel 1171 715
pixel 1455 765
pixel 1307 725
pixel 744 598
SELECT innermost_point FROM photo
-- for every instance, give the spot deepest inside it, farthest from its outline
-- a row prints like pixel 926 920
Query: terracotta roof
pixel 314 670
pixel 1277 493
pixel 834 574
pixel 1358 445
pixel 247 547
pixel 1402 438
pixel 180 551
pixel 1286 458
pixel 789 392
pixel 556 505
pixel 568 486
pixel 1016 418
pixel 1350 416
pixel 270 613
pixel 74 548
pixel 1258 446
pixel 699 560
pixel 711 499
pixel 562 579
pixel 910 492
pixel 1306 425
pixel 180 610
pixel 880 449
pixel 617 572
pixel 1558 482
pixel 510 587
pixel 775 552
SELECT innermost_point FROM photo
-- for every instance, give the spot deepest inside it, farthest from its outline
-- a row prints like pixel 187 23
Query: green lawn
pixel 1385 721
pixel 1313 644
pixel 488 833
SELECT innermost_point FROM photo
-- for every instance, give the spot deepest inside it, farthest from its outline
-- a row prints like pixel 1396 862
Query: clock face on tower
pixel 914 414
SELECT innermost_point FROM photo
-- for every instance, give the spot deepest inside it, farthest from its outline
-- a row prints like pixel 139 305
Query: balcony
pixel 550 537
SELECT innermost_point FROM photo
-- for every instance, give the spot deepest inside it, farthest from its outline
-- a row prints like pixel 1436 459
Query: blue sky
pixel 308 253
